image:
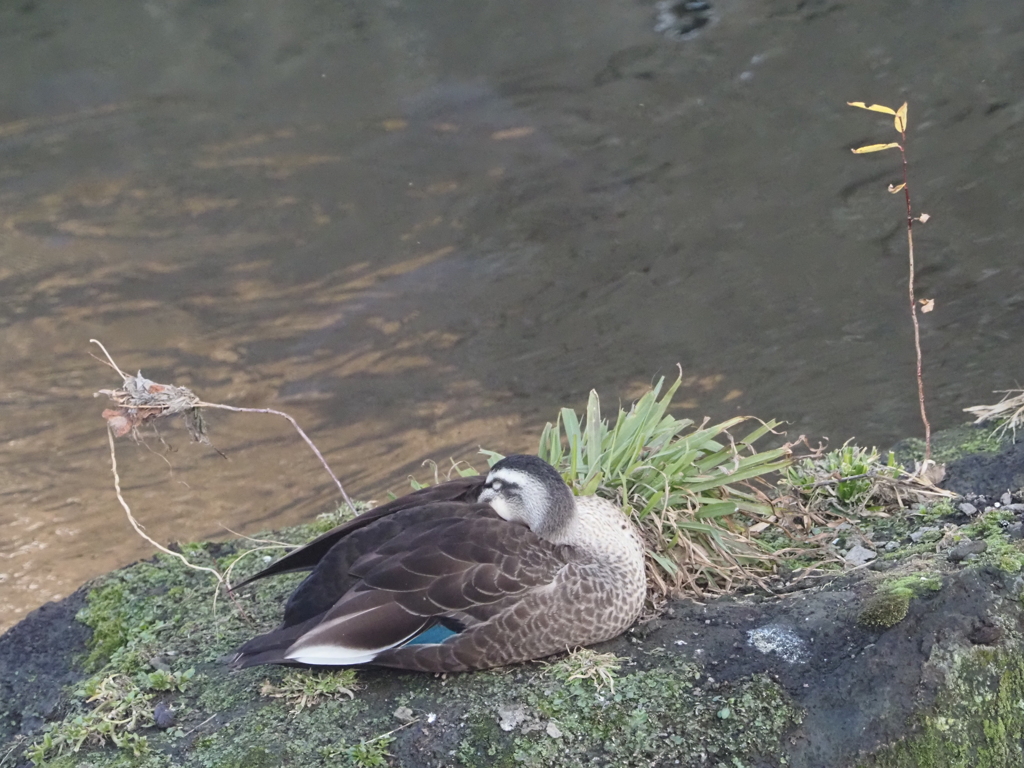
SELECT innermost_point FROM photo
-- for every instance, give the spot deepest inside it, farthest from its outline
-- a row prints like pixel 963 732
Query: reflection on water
pixel 421 228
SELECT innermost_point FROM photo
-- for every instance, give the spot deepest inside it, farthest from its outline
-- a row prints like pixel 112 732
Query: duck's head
pixel 528 490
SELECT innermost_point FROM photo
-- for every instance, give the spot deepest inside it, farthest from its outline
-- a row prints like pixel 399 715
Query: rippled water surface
pixel 421 227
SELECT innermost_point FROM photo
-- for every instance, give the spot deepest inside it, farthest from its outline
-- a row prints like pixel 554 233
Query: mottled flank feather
pixel 470 574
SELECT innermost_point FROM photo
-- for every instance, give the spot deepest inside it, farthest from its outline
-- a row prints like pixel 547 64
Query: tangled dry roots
pixel 140 400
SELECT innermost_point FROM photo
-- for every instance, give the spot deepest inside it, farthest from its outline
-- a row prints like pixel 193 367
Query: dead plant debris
pixel 140 401
pixel 1009 412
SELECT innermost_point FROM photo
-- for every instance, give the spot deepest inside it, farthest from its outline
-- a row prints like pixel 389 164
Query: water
pixel 422 227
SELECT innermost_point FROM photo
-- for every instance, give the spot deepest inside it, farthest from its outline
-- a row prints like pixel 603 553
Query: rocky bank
pixel 916 659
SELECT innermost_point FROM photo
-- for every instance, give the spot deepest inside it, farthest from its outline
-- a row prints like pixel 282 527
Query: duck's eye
pixel 495 485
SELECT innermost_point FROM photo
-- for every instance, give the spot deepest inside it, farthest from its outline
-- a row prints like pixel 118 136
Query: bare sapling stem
pixel 900 123
pixel 913 301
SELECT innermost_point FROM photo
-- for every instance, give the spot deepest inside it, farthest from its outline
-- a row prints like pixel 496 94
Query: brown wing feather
pixel 430 581
pixel 355 555
pixel 463 489
pixel 462 569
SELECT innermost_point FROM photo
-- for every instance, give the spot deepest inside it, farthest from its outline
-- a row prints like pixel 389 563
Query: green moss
pixel 329 520
pixel 916 584
pixel 885 609
pixel 938 510
pixel 1002 553
pixel 889 604
pixel 977 721
pixel 253 757
pixel 951 444
pixel 656 716
pixel 988 524
pixel 109 624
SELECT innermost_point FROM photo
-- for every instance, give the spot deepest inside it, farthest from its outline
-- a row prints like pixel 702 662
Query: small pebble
pixel 892 546
pixel 1005 499
pixel 968 509
pixel 1015 531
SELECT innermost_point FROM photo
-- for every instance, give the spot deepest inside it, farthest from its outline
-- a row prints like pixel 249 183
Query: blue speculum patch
pixel 436 634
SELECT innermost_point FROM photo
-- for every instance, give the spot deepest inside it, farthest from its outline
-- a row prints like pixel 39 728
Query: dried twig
pixel 135 523
pixel 140 401
pixel 298 429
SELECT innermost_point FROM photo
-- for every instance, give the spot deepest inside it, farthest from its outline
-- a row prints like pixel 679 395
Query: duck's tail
pixel 271 647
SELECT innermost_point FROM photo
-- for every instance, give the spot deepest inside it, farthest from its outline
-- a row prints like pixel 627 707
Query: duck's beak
pixel 487 495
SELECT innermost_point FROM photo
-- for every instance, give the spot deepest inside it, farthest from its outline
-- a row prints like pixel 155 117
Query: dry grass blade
pixel 1009 412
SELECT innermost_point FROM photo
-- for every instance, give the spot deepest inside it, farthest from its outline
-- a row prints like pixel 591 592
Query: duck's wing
pixel 434 580
pixel 336 572
pixel 461 490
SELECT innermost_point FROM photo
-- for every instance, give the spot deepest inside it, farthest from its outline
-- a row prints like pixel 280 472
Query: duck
pixel 474 573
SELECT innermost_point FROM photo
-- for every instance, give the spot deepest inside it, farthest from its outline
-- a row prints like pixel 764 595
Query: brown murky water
pixel 422 227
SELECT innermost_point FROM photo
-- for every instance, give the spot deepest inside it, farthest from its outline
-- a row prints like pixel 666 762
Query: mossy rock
pixel 952 444
pixel 691 689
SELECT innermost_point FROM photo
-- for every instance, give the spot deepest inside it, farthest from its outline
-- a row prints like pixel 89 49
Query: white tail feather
pixel 331 655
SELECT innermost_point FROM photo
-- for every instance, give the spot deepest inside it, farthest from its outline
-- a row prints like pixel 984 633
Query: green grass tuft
pixel 684 484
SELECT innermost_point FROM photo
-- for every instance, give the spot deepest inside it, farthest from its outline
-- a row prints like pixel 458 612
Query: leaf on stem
pixel 873 148
pixel 872 107
pixel 900 120
pixel 895 189
pixel 923 218
pixel 927 305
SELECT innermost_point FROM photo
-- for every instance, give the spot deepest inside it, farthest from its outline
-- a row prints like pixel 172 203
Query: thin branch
pixel 200 725
pixel 141 401
pixel 298 429
pixel 271 542
pixel 110 360
pixel 135 523
pixel 913 301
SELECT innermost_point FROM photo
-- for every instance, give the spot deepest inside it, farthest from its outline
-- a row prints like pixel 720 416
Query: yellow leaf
pixel 894 190
pixel 873 107
pixel 872 148
pixel 900 121
pixel 927 305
